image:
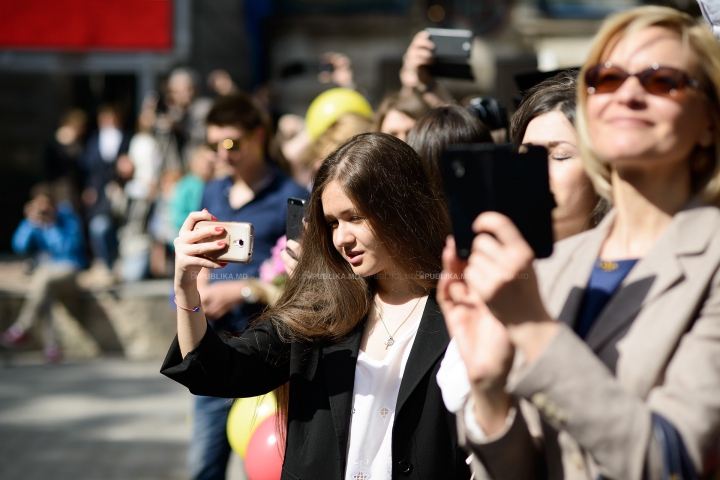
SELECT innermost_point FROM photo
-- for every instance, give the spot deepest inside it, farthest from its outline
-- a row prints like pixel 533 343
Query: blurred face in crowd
pixel 220 82
pixel 573 191
pixel 635 129
pixel 107 119
pixel 397 124
pixel 146 120
pixel 40 210
pixel 203 163
pixel 352 235
pixel 243 151
pixel 181 90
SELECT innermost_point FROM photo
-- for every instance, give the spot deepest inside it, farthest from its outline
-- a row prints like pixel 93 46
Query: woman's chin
pixel 364 272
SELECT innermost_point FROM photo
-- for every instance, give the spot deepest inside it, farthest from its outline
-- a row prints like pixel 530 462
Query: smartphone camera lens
pixel 239 243
pixel 458 168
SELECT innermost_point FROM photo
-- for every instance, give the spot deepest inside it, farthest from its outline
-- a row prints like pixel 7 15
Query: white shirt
pixel 377 383
pixel 109 140
pixel 452 378
pixel 146 157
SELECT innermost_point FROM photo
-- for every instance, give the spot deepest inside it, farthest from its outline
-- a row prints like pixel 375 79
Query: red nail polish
pixel 223 264
pixel 221 243
pixel 205 209
pixel 219 229
pixel 213 217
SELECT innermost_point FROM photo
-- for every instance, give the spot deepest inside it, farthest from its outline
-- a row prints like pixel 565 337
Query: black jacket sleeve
pixel 253 364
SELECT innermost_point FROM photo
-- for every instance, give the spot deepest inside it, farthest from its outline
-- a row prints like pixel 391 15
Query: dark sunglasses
pixel 657 80
pixel 229 144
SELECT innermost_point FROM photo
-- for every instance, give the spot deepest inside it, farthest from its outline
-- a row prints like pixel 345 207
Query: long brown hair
pixel 440 128
pixel 386 180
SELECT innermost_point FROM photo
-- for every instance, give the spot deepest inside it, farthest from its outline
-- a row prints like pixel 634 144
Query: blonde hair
pixel 706 48
pixel 341 131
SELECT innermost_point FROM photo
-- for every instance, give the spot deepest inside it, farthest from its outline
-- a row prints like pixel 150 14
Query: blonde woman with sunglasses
pixel 603 361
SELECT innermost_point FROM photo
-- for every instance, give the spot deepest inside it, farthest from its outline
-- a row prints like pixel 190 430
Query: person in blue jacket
pixel 255 191
pixel 52 233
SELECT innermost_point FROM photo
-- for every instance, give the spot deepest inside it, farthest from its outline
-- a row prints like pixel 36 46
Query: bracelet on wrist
pixel 195 309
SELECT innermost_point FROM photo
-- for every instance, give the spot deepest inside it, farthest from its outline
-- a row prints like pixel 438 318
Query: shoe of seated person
pixel 14 338
pixel 52 354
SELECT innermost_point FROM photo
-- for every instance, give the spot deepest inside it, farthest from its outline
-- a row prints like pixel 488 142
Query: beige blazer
pixel 660 333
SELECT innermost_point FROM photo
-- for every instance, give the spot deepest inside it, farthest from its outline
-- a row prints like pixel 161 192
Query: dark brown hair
pixel 386 180
pixel 442 127
pixel 408 102
pixel 240 110
pixel 113 109
pixel 557 93
pixel 43 189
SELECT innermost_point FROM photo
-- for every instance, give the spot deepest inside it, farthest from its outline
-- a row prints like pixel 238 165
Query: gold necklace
pixel 391 341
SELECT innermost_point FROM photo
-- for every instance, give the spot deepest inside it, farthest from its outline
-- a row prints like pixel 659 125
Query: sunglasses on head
pixel 229 144
pixel 657 80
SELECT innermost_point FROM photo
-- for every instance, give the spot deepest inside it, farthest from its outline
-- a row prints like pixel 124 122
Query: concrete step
pixel 135 319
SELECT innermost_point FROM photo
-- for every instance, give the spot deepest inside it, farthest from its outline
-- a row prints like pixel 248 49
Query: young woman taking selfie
pixel 357 333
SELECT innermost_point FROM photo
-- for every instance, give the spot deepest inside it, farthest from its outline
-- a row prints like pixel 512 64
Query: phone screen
pixel 481 178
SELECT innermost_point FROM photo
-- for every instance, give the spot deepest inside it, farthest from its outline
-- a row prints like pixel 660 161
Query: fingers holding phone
pixel 237 239
pixel 417 58
pixel 503 226
pixel 191 248
pixel 291 255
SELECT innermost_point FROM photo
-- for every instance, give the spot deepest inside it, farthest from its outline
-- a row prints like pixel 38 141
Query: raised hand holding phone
pixel 192 254
pixel 483 341
pixel 490 178
pixel 500 206
pixel 238 238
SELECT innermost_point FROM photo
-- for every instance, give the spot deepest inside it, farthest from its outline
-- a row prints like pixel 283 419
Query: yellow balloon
pixel 331 105
pixel 245 416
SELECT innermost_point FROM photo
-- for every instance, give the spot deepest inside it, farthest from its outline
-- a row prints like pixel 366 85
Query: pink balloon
pixel 263 460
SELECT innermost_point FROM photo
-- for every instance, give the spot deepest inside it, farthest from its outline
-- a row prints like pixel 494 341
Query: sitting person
pixel 53 233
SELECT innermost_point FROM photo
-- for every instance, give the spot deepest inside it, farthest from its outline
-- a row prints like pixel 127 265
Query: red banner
pixel 82 25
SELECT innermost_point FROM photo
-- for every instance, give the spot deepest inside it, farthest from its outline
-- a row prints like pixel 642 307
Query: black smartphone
pixel 452 51
pixel 294 218
pixel 508 179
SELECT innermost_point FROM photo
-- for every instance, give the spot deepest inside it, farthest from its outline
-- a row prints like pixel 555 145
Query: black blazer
pixel 424 438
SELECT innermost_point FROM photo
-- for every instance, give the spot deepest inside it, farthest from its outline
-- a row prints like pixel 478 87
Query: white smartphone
pixel 239 237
